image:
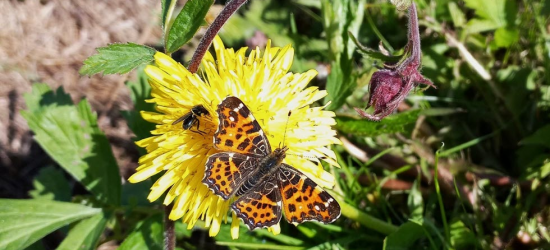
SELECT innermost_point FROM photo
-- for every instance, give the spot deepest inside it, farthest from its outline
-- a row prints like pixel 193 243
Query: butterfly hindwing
pixel 225 172
pixel 303 199
pixel 261 206
pixel 238 130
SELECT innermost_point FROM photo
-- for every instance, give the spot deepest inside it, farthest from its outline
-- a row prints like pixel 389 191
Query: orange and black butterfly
pixel 250 169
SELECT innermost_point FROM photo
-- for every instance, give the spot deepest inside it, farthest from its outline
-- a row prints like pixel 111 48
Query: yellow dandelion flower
pixel 263 82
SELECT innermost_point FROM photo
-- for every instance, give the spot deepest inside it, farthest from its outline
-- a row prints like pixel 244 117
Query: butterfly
pixel 249 169
pixel 191 118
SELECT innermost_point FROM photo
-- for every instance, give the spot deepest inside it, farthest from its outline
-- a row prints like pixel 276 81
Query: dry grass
pixel 46 41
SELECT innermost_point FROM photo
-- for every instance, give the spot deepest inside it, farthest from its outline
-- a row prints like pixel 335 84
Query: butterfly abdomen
pixel 266 168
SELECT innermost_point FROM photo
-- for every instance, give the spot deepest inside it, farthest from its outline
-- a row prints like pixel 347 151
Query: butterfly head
pixel 280 153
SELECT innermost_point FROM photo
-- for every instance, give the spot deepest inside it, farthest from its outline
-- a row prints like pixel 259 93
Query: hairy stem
pixel 414 35
pixel 412 50
pixel 169 229
pixel 229 9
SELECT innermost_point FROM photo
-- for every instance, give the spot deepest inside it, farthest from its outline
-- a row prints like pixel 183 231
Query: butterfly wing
pixel 261 206
pixel 226 172
pixel 238 130
pixel 303 199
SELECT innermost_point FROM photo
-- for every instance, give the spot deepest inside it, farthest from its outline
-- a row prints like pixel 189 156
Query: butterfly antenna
pixel 305 156
pixel 286 126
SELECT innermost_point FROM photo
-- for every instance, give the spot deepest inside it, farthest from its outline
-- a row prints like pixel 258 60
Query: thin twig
pixel 229 9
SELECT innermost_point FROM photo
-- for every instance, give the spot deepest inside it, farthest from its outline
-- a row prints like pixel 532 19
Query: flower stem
pixel 212 31
pixel 367 220
pixel 414 36
pixel 169 227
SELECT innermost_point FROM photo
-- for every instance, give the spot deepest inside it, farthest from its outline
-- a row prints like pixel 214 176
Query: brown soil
pixel 46 41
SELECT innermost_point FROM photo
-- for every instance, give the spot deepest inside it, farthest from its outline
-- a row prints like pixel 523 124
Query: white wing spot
pixel 231 118
pixel 317 208
pixel 328 202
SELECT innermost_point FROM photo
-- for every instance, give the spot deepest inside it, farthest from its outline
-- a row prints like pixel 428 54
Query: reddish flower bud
pixel 389 86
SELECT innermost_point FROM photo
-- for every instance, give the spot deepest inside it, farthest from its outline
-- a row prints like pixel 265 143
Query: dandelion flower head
pixel 263 82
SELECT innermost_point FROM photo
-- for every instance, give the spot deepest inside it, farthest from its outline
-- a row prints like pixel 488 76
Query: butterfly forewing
pixel 303 199
pixel 225 172
pixel 261 206
pixel 239 131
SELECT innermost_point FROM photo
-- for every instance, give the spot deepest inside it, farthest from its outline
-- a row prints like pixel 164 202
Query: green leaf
pixel 140 91
pixel 404 237
pixel 146 235
pixel 493 10
pixel 540 137
pixel 441 111
pixel 117 58
pixel 462 237
pixel 340 84
pixel 165 5
pixel 456 14
pixel 51 184
pixel 506 37
pixel 340 19
pixel 187 23
pixel 415 202
pixel 493 14
pixel 362 127
pixel 26 221
pixel 135 194
pixel 70 135
pixel 85 234
pixel 373 53
pixel 42 95
pixel 477 25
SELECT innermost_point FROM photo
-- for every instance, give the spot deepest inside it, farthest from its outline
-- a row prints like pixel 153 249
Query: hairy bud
pixel 389 86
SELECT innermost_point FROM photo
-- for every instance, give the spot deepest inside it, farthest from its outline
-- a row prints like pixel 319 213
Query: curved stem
pixel 212 31
pixel 367 220
pixel 414 35
pixel 169 229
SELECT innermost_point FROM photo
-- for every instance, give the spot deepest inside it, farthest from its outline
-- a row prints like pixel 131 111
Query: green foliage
pixel 69 134
pixel 373 53
pixel 415 203
pixel 341 18
pixel 140 91
pixel 50 184
pixel 146 235
pixel 165 11
pixel 405 237
pixel 187 23
pixel 85 234
pixel 361 127
pixel 495 14
pixel 117 58
pixel 462 237
pixel 26 221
